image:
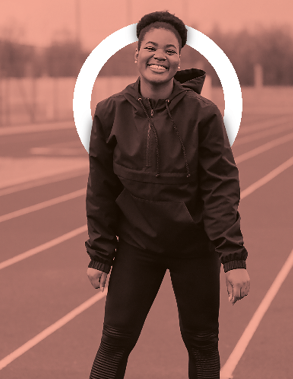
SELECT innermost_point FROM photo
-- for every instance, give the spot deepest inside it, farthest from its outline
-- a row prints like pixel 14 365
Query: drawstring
pixel 180 139
pixel 157 140
pixel 156 137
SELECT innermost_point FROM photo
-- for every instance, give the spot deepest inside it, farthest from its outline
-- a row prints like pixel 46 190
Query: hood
pixel 192 78
pixel 184 80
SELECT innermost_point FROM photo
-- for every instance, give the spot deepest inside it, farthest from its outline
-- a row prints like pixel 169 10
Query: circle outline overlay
pixel 127 35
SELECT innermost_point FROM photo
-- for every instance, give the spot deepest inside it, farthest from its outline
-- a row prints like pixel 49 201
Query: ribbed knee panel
pixel 111 359
pixel 204 360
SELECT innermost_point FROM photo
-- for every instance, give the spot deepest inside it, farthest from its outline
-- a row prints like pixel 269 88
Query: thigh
pixel 134 283
pixel 196 284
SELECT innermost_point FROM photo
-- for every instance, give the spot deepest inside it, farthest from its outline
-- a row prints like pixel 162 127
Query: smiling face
pixel 158 58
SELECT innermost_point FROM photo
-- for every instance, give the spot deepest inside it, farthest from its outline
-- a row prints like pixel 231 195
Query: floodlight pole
pixel 77 34
pixel 77 22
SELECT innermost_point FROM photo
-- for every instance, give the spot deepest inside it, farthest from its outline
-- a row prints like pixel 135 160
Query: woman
pixel 163 180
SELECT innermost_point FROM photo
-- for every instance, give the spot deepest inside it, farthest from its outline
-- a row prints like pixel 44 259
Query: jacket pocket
pixel 156 225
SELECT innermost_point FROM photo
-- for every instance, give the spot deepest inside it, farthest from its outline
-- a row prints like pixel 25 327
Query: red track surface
pixel 38 291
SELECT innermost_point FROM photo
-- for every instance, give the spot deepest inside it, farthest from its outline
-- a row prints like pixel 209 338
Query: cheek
pixel 141 64
pixel 142 60
pixel 174 64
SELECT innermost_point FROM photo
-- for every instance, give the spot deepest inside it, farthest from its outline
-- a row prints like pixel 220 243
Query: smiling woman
pixel 158 63
pixel 160 41
pixel 163 179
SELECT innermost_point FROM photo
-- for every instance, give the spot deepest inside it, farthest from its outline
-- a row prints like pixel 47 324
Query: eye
pixel 170 52
pixel 150 48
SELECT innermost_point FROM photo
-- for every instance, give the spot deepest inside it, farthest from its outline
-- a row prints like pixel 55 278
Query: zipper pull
pixel 152 112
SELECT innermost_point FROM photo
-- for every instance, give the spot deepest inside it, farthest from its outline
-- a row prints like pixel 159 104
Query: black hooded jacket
pixel 162 176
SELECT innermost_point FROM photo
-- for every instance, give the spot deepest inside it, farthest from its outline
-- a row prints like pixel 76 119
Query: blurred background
pixel 43 45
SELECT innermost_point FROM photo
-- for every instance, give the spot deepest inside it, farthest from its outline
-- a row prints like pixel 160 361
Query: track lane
pixel 42 205
pixel 36 206
pixel 266 224
pixel 147 342
pixel 41 290
pixel 29 231
pixel 269 353
pixel 38 192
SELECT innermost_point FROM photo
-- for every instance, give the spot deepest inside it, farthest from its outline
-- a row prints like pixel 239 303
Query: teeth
pixel 158 67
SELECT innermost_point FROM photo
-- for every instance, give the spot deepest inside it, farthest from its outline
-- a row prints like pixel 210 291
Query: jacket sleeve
pixel 102 190
pixel 219 186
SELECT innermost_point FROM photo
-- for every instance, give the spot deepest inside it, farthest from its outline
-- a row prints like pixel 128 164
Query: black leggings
pixel 134 283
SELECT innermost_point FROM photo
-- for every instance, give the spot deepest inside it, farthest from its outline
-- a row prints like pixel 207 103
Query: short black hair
pixel 159 19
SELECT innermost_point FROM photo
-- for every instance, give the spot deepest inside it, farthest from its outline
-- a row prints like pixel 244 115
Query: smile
pixel 157 67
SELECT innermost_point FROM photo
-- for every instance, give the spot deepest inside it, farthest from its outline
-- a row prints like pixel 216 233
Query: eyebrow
pixel 154 43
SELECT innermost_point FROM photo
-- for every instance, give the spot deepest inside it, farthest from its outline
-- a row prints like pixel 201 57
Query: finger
pixel 103 281
pixel 96 285
pixel 236 294
pixel 96 282
pixel 244 290
pixel 229 290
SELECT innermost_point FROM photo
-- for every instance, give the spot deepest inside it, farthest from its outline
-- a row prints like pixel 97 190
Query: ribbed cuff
pixel 232 265
pixel 100 266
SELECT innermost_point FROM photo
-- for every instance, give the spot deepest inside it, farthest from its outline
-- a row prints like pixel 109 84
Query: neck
pixel 156 91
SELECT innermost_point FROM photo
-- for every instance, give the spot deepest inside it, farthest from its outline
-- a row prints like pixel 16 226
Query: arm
pixel 102 189
pixel 219 185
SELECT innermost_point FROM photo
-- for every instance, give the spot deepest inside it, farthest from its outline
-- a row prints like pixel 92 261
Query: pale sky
pixel 38 21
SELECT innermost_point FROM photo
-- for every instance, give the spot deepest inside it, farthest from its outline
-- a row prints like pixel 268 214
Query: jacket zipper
pixel 148 163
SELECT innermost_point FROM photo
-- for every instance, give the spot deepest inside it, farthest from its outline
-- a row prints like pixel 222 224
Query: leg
pixel 134 283
pixel 196 287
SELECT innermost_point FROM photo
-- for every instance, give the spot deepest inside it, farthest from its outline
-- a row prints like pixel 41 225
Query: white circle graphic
pixel 127 35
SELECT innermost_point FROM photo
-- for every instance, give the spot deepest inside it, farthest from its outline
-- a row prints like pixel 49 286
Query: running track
pixel 52 317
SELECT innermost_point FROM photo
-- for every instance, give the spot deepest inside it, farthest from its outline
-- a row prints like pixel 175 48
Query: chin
pixel 158 80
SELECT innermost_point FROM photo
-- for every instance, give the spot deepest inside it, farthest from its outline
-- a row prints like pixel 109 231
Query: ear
pixel 136 55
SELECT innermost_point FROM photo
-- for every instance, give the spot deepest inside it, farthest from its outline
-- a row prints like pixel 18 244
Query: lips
pixel 157 67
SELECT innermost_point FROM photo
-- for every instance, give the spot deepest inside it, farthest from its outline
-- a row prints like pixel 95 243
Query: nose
pixel 159 54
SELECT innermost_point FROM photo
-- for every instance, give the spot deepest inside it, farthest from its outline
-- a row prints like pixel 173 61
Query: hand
pixel 238 284
pixel 97 278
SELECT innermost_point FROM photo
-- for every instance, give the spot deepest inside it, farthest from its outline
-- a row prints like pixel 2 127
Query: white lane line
pixel 246 129
pixel 271 175
pixel 265 147
pixel 56 150
pixel 239 159
pixel 259 183
pixel 235 356
pixel 9 130
pixel 46 180
pixel 44 204
pixel 17 171
pixel 260 135
pixel 231 363
pixel 28 345
pixel 44 246
pixel 51 329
